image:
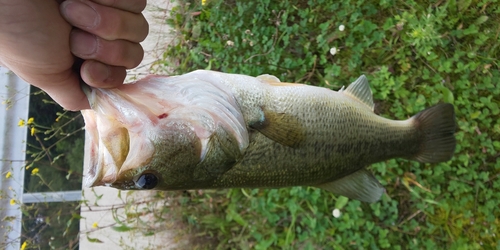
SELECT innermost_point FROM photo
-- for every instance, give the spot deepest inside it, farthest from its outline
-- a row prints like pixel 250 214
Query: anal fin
pixel 360 185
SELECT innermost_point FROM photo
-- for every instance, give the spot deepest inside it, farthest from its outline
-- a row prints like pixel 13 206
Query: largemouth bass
pixel 209 130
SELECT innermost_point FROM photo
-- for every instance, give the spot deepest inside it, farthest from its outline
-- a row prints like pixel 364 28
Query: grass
pixel 415 54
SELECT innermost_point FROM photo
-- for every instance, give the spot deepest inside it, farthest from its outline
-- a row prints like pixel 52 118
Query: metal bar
pixel 14 99
pixel 62 196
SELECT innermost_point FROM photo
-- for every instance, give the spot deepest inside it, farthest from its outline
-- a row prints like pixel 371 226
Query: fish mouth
pixel 113 144
pixel 105 153
pixel 124 124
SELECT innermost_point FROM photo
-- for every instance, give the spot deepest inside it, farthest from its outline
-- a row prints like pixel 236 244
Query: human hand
pixel 37 44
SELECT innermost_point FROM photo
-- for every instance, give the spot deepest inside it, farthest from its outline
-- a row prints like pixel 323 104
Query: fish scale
pixel 208 129
pixel 336 145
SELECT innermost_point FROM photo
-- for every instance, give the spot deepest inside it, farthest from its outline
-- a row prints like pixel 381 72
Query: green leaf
pixel 122 228
pixel 463 4
pixel 94 240
pixel 475 114
pixel 481 20
pixel 341 202
pixel 233 215
pixel 76 216
pixel 447 94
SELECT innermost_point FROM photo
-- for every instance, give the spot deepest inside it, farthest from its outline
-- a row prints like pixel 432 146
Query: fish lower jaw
pixel 102 173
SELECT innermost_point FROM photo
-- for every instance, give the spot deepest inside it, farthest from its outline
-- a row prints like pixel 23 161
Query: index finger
pixel 134 6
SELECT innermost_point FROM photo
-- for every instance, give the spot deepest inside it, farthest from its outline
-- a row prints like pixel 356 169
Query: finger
pixel 99 75
pixel 135 6
pixel 106 22
pixel 116 53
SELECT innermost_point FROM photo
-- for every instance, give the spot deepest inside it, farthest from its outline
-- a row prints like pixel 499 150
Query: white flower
pixel 333 51
pixel 336 213
pixel 230 43
pixel 341 27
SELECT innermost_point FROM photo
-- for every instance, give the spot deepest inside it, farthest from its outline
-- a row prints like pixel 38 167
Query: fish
pixel 212 130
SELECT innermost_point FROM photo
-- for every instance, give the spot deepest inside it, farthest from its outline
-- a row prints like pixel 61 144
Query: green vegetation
pixel 55 159
pixel 415 54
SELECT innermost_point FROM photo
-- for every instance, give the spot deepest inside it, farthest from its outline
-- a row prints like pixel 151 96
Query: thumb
pixel 68 93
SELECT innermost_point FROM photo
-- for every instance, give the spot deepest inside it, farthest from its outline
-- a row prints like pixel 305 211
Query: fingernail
pixel 83 44
pixel 79 14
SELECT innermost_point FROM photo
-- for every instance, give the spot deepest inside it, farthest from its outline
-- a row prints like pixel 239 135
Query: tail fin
pixel 437 126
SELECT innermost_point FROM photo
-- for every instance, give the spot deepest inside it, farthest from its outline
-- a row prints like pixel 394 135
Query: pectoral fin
pixel 360 185
pixel 283 128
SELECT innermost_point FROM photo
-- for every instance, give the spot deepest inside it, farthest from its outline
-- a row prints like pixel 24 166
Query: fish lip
pixel 90 93
pixel 92 169
pixel 126 185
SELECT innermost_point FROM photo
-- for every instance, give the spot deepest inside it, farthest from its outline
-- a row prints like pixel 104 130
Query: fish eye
pixel 147 181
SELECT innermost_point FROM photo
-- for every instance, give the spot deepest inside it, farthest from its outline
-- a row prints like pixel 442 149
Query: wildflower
pixel 31 120
pixel 341 27
pixel 33 131
pixel 34 171
pixel 333 51
pixel 8 175
pixel 203 2
pixel 94 225
pixel 230 43
pixel 12 202
pixel 21 123
pixel 336 213
pixel 24 245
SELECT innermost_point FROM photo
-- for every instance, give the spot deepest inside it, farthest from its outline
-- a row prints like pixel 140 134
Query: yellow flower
pixel 8 175
pixel 203 2
pixel 94 225
pixel 33 131
pixel 21 123
pixel 12 202
pixel 34 171
pixel 31 120
pixel 23 246
pixel 57 119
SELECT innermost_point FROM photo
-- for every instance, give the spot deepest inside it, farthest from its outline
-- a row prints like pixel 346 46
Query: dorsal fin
pixel 268 78
pixel 360 91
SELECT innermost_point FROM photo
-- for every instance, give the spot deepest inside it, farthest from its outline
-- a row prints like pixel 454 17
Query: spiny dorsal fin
pixel 282 128
pixel 274 81
pixel 360 90
pixel 360 185
pixel 268 78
